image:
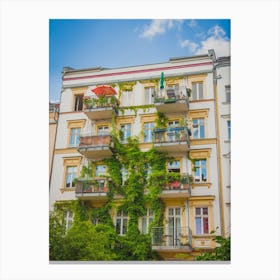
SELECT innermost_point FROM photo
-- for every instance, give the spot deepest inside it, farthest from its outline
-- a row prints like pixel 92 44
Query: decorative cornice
pixel 138 71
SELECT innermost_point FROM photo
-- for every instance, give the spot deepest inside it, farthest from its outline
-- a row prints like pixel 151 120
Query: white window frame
pixel 72 172
pixel 148 131
pixel 99 173
pixel 75 133
pixel 146 221
pixel 196 94
pixel 196 127
pixel 126 129
pixel 103 130
pixel 201 216
pixel 122 217
pixel 198 164
pixel 68 218
pixel 149 95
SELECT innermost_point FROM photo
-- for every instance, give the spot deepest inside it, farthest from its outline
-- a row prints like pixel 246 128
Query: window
pixel 198 128
pixel 78 104
pixel 103 130
pixel 126 99
pixel 200 174
pixel 149 95
pixel 121 222
pixel 100 170
pixel 75 137
pixel 124 175
pixel 148 131
pixel 125 132
pixel 201 220
pixel 68 218
pixel 174 166
pixel 147 220
pixel 228 129
pixel 197 90
pixel 174 226
pixel 172 91
pixel 173 135
pixel 227 92
pixel 71 174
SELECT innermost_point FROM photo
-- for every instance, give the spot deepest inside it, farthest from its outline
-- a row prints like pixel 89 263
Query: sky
pixel 112 43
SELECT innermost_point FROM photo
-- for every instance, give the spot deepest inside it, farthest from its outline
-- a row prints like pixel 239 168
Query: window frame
pixel 148 133
pixel 125 135
pixel 148 219
pixel 67 219
pixel 200 168
pixel 71 173
pixel 150 92
pixel 202 217
pixel 76 137
pixel 199 125
pixel 79 104
pixel 122 218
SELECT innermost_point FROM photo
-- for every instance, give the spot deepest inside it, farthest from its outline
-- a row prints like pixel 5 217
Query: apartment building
pixel 185 92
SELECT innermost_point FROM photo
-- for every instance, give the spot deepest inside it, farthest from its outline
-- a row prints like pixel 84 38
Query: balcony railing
pixel 95 146
pixel 172 99
pixel 100 108
pixel 171 237
pixel 169 138
pixel 90 188
pixel 176 187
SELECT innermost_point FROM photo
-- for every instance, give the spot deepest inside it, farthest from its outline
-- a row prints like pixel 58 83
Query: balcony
pixel 171 239
pixel 92 188
pixel 180 189
pixel 95 146
pixel 100 108
pixel 171 139
pixel 171 100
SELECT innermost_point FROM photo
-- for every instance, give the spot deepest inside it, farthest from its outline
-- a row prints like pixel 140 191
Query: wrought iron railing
pixel 171 95
pixel 92 185
pixel 103 102
pixel 171 236
pixel 171 134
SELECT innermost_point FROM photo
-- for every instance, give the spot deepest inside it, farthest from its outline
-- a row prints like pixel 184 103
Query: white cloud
pixel 221 46
pixel 216 31
pixel 159 26
pixel 192 46
pixel 216 40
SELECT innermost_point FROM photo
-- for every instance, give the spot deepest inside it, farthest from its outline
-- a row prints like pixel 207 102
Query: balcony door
pixel 171 133
pixel 174 226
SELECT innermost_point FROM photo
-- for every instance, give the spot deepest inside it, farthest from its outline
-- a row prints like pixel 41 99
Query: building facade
pixel 191 96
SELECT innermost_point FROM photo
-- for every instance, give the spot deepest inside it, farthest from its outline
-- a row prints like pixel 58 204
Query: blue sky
pixel 115 43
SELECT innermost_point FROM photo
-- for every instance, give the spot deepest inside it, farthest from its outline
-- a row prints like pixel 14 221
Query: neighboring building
pixel 53 119
pixel 186 95
pixel 223 101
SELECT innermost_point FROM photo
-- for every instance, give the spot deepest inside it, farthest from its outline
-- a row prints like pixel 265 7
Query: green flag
pixel 161 82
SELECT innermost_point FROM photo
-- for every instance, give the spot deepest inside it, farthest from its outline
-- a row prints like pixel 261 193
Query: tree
pixel 84 241
pixel 56 235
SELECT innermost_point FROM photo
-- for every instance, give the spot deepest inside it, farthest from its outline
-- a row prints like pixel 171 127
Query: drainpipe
pixel 217 127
